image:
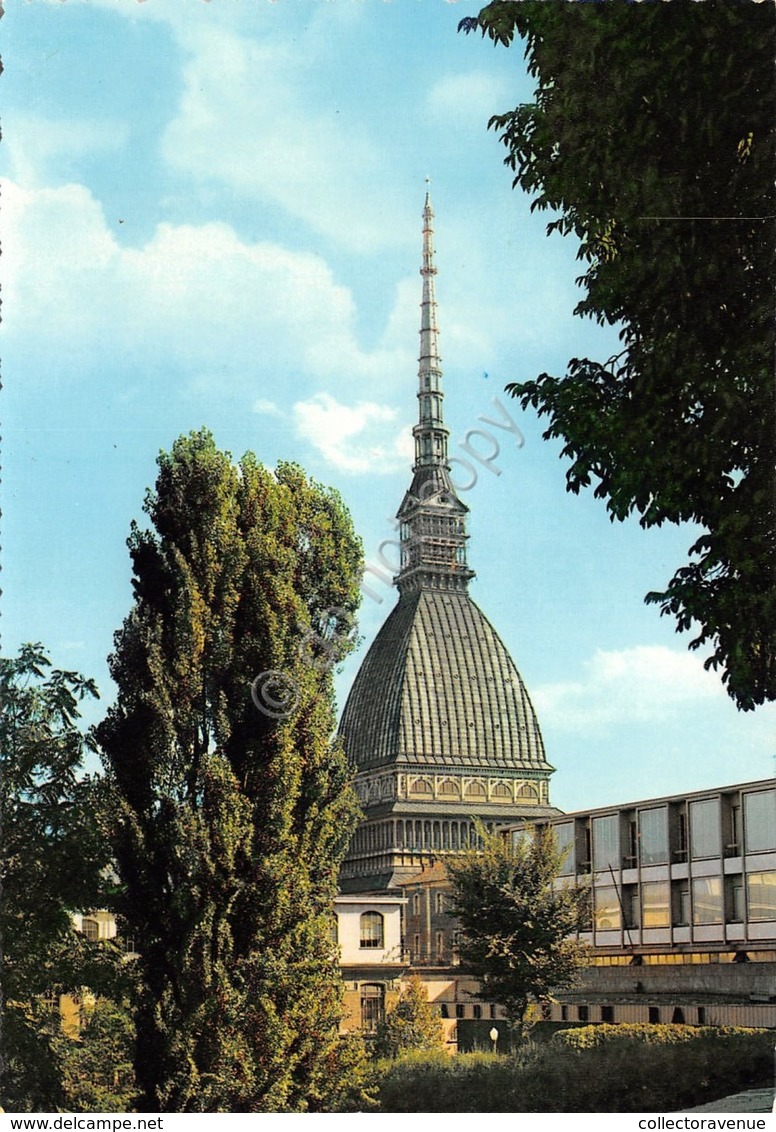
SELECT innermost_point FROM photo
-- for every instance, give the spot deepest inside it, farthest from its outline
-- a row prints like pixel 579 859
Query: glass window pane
pixel 704 829
pixel 760 821
pixel 736 909
pixel 521 836
pixel 564 839
pixel 653 835
pixel 371 929
pixel 761 889
pixel 656 905
pixel 372 1007
pixel 606 842
pixel 91 929
pixel 682 906
pixel 707 900
pixel 607 909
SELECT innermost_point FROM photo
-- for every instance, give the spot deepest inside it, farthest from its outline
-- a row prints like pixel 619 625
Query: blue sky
pixel 212 216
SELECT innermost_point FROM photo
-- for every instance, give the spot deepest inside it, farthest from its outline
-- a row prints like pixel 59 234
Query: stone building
pixel 372 933
pixel 441 730
pixel 683 919
pixel 438 724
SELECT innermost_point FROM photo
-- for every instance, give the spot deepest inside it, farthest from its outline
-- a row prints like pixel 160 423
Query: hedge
pixel 595 1069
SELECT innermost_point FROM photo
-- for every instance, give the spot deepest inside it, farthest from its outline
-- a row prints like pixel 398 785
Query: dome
pixel 438 688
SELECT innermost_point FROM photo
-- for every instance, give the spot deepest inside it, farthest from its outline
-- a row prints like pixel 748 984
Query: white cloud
pixel 648 683
pixel 470 97
pixel 197 295
pixel 267 408
pixel 249 101
pixel 256 115
pixel 55 245
pixel 33 144
pixel 351 438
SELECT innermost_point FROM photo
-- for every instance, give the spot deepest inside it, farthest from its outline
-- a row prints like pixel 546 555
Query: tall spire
pixel 432 518
pixel 430 432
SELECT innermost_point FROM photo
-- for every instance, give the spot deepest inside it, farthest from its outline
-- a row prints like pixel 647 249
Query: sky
pixel 211 216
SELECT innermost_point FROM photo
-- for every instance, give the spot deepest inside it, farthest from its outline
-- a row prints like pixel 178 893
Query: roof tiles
pixel 438 687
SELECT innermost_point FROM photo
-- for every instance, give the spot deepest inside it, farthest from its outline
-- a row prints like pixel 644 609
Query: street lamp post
pixel 493 1037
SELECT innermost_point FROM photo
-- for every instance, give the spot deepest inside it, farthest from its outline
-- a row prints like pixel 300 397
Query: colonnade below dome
pixel 393 841
pixel 386 851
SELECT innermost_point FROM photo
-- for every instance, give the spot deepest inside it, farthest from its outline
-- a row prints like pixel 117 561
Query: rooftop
pixel 438 687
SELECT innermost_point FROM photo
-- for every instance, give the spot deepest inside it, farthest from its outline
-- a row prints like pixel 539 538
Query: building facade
pixel 683 919
pixel 438 725
pixel 683 914
pixel 372 933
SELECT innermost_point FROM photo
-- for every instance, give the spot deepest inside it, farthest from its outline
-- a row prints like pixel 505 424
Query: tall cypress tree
pixel 233 803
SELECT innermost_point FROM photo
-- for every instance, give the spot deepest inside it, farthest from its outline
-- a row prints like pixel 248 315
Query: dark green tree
pixel 517 925
pixel 234 806
pixel 412 1024
pixel 54 851
pixel 96 1063
pixel 651 139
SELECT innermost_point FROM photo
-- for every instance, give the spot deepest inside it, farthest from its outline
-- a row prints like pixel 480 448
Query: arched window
pixel 91 929
pixel 371 929
pixel 421 786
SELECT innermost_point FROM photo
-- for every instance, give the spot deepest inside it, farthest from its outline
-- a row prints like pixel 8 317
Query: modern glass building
pixel 683 909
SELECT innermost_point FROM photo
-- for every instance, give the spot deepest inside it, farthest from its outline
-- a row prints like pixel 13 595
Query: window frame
pixel 371 920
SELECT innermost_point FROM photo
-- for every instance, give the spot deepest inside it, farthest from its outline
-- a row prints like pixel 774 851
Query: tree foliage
pixel 412 1024
pixel 234 806
pixel 54 852
pixel 517 925
pixel 96 1064
pixel 651 137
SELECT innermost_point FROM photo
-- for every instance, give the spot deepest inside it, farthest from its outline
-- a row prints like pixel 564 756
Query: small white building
pixel 369 930
pixel 98 925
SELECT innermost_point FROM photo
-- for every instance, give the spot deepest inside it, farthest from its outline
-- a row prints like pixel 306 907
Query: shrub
pixel 468 1082
pixel 596 1069
pixel 585 1037
pixel 413 1024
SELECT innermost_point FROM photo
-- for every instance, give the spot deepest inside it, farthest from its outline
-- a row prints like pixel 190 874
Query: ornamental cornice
pixel 375 787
